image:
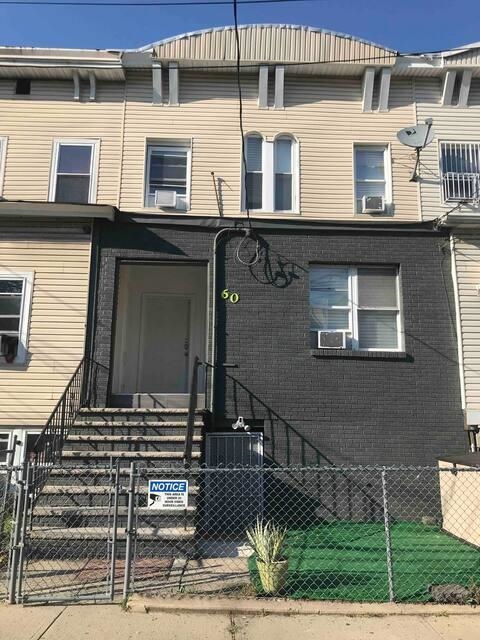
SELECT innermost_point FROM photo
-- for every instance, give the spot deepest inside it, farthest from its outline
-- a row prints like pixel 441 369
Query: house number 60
pixel 232 297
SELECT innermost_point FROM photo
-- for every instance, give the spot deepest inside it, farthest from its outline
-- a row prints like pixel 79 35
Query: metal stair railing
pixel 47 450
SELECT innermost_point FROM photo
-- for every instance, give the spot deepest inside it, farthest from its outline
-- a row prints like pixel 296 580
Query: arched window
pixel 283 179
pixel 254 162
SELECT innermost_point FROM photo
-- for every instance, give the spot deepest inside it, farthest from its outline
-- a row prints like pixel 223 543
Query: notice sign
pixel 167 494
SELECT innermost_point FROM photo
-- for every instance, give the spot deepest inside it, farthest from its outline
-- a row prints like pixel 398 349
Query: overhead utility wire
pixel 208 67
pixel 240 107
pixel 378 59
pixel 165 3
pixel 255 259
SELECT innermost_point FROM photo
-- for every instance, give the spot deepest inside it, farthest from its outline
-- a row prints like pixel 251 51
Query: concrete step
pixel 103 533
pixel 132 424
pixel 129 439
pixel 133 455
pixel 84 511
pixel 136 411
pixel 74 497
pixel 102 516
pixel 124 429
pixel 86 478
pixel 52 489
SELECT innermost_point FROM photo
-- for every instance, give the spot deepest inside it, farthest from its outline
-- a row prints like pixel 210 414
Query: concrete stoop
pixel 75 505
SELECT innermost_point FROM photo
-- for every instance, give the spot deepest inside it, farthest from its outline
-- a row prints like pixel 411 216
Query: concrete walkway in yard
pixel 230 620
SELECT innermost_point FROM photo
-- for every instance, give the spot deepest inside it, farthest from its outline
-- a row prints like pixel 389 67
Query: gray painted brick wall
pixel 316 408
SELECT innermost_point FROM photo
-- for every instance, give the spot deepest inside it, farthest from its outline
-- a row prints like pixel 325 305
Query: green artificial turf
pixel 347 561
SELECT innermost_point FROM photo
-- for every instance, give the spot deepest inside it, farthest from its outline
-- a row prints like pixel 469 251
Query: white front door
pixel 160 328
pixel 164 343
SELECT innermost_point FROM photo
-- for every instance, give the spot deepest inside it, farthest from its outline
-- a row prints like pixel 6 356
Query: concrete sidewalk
pixel 105 622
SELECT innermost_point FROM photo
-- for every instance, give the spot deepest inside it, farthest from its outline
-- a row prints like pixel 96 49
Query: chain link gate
pixel 65 537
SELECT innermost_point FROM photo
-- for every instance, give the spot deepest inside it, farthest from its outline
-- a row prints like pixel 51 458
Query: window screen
pixel 369 173
pixel 361 301
pixel 73 173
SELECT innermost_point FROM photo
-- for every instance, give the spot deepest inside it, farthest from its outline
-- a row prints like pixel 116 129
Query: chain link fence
pixel 357 534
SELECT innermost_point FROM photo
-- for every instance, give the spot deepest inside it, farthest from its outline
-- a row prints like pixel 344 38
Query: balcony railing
pixel 460 168
pixel 461 187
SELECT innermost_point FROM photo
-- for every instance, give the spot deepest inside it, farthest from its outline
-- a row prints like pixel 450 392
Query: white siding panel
pixel 467 252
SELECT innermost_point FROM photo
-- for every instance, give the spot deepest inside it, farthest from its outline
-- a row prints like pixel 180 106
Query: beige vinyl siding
pixel 450 124
pixel 467 255
pixel 469 57
pixel 32 123
pixel 272 43
pixel 60 264
pixel 323 113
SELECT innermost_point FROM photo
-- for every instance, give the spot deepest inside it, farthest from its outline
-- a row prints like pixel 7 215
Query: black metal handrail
pixel 48 446
pixel 192 410
pixel 193 400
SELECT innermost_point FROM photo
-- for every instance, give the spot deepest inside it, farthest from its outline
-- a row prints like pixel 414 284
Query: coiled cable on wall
pixel 256 258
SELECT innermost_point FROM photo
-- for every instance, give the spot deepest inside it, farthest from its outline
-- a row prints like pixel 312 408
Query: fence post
pixel 113 548
pixel 26 507
pixel 388 539
pixel 14 561
pixel 129 531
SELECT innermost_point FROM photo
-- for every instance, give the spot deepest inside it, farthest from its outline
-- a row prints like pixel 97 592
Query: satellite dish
pixel 417 137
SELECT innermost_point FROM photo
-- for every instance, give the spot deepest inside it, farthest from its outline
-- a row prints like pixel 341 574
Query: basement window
pixel 4 447
pixel 74 171
pixel 23 86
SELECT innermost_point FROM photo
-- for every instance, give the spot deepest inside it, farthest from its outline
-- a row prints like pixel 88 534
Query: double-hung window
pixel 362 302
pixel 74 171
pixel 271 174
pixel 15 296
pixel 372 177
pixel 460 171
pixel 283 152
pixel 254 181
pixel 168 176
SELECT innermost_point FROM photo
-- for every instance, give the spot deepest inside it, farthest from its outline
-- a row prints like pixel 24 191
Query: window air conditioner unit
pixel 373 204
pixel 166 199
pixel 8 347
pixel 331 340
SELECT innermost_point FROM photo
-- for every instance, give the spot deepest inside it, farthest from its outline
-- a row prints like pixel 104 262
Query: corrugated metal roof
pixel 271 43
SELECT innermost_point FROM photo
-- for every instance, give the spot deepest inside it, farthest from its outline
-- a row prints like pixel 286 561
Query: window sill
pixel 360 355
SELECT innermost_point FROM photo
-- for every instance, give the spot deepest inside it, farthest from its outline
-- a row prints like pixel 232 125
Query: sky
pixel 404 25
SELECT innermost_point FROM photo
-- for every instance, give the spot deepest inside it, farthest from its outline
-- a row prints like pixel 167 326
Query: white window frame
pixel 268 175
pixel 9 434
pixel 3 158
pixel 354 306
pixel 166 145
pixel 387 171
pixel 24 325
pixel 20 450
pixel 94 161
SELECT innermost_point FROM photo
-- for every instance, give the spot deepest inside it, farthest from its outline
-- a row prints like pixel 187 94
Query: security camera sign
pixel 167 494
